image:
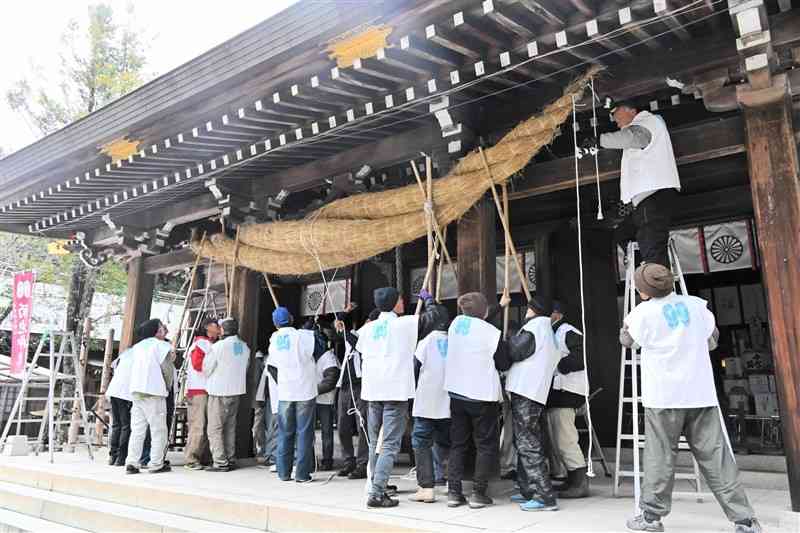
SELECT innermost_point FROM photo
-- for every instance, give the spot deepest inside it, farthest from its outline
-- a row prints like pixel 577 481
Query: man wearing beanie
pixel 528 384
pixel 225 369
pixel 387 348
pixel 567 394
pixel 476 353
pixel 675 333
pixel 292 364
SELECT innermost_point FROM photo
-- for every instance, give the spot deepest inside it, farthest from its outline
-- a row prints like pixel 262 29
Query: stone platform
pixel 75 492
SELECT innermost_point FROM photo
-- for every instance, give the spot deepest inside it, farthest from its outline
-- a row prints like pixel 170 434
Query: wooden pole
pixel 504 222
pixel 271 290
pixel 506 268
pixel 774 168
pixel 105 379
pixel 436 228
pixel 233 270
pixel 439 271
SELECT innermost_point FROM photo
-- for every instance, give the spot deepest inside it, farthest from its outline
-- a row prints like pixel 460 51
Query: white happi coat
pixel 387 348
pixel 470 369
pixel 531 378
pixel 225 367
pixel 146 376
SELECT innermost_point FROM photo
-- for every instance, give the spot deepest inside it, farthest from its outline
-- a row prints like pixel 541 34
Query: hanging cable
pixel 589 466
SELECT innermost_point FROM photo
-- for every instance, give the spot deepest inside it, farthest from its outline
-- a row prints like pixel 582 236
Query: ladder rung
pixel 37 420
pixel 44 398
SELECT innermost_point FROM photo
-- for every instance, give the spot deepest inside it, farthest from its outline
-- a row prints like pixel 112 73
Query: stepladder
pixel 200 302
pixel 630 427
pixel 62 377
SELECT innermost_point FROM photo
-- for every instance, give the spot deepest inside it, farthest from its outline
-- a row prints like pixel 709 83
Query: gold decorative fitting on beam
pixel 359 43
pixel 121 148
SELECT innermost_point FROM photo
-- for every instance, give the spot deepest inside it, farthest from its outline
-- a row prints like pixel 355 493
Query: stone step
pixel 12 522
pixel 95 515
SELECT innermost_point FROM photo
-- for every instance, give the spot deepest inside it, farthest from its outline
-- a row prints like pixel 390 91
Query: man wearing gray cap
pixel 675 333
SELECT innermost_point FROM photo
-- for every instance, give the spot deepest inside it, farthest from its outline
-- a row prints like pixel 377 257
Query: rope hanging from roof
pixel 356 228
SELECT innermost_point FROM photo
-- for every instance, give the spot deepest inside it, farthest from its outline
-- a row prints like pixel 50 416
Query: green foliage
pixel 101 61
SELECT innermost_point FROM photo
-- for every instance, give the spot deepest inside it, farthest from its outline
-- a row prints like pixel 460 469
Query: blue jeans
pixel 392 416
pixel 295 426
pixel 426 433
pixel 271 439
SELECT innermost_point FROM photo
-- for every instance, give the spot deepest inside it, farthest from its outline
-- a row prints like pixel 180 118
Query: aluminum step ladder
pixel 199 304
pixel 629 372
pixel 59 406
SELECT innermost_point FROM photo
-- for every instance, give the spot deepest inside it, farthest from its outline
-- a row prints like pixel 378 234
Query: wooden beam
pixel 138 301
pixel 169 262
pixel 773 161
pixel 692 144
pixel 476 251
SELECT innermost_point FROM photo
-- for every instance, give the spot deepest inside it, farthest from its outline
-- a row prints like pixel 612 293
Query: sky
pixel 176 31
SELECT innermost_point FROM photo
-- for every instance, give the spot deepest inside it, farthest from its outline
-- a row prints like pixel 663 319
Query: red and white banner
pixel 21 319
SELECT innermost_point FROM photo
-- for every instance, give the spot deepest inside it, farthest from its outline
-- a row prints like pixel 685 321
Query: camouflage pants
pixel 533 472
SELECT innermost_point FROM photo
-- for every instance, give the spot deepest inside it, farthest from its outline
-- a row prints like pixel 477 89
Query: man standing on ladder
pixel 675 333
pixel 648 178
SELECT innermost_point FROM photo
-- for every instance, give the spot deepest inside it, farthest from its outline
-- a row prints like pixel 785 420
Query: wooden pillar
pixel 773 161
pixel 477 251
pixel 246 295
pixel 137 301
pixel 543 265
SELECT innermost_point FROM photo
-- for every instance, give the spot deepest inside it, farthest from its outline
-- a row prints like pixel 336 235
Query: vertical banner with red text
pixel 21 319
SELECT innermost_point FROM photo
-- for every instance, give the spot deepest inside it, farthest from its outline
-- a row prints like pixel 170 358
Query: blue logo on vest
pixel 676 315
pixel 381 330
pixel 238 349
pixel 282 343
pixel 462 325
pixel 441 344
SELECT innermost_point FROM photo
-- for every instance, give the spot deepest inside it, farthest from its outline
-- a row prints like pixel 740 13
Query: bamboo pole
pixel 439 270
pixel 233 269
pixel 504 222
pixel 436 228
pixel 271 290
pixel 506 268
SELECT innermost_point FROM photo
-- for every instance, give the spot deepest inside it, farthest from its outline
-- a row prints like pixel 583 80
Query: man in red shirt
pixel 197 450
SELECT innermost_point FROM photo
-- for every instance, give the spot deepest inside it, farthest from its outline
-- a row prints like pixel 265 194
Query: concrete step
pixel 11 522
pixel 95 515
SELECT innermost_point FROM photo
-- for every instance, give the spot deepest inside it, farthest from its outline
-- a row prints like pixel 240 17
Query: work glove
pixel 425 296
pixel 588 146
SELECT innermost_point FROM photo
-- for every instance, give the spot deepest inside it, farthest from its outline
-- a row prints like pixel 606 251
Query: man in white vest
pixel 197 449
pixel 152 373
pixel 528 384
pixel 568 393
pixel 292 364
pixel 675 333
pixel 649 178
pixel 476 353
pixel 225 369
pixel 387 348
pixel 119 393
pixel 327 377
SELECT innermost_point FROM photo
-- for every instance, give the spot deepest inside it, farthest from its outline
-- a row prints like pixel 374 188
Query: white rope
pixel 596 151
pixel 589 465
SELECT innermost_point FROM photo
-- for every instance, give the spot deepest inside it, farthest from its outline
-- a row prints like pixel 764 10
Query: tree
pixel 101 61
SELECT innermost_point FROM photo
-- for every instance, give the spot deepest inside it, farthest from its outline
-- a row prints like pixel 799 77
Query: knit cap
pixel 654 280
pixel 385 298
pixel 473 304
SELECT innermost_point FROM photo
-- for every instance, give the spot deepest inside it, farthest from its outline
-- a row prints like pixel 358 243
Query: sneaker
pixel 479 500
pixel 347 468
pixel 309 479
pixel 538 505
pixel 163 468
pixel 359 473
pixel 382 501
pixel 423 495
pixel 455 499
pixel 130 469
pixel 193 466
pixel 743 527
pixel 112 460
pixel 273 468
pixel 640 523
pixel 518 498
pixel 214 468
pixel 391 490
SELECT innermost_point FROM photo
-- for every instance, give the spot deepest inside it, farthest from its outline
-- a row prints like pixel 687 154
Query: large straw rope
pixel 356 228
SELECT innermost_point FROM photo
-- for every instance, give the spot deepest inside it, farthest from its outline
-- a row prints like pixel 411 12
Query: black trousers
pixel 649 226
pixel 533 473
pixel 348 425
pixel 478 421
pixel 325 417
pixel 120 429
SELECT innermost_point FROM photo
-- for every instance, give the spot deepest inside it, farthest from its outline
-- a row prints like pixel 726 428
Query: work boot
pixel 479 500
pixel 577 486
pixel 382 501
pixel 130 469
pixel 348 466
pixel 112 460
pixel 359 473
pixel 163 468
pixel 326 465
pixel 645 522
pixel 391 490
pixel 423 495
pixel 455 499
pixel 748 526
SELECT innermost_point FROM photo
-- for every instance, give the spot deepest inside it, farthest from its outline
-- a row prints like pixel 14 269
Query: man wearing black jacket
pixel 568 393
